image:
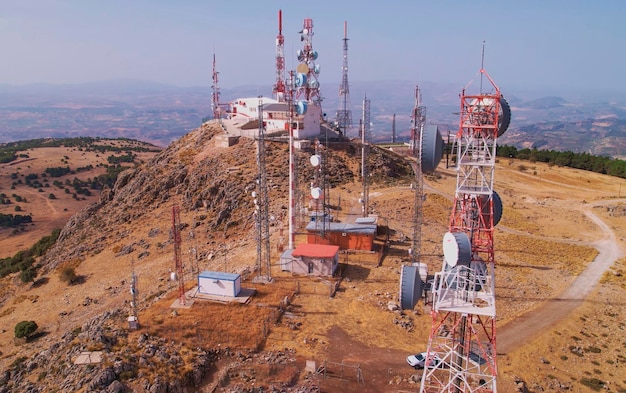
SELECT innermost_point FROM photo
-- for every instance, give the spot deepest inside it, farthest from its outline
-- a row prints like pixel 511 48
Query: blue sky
pixel 551 44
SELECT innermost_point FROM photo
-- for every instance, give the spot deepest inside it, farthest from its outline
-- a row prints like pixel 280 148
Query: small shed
pixel 219 283
pixel 286 260
pixel 346 236
pixel 315 259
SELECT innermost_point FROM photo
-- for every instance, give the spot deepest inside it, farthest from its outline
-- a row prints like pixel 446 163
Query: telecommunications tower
pixel 344 114
pixel 215 95
pixel 365 133
pixel 279 86
pixel 307 85
pixel 418 121
pixel 292 165
pixel 261 205
pixel 178 262
pixel 463 332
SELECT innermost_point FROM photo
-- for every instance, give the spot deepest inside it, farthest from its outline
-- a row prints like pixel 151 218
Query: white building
pixel 219 283
pixel 244 115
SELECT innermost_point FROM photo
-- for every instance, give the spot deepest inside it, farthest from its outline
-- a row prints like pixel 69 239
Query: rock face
pixel 218 180
pixel 197 174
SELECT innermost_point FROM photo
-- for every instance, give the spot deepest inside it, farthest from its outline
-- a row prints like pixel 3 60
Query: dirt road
pixel 526 326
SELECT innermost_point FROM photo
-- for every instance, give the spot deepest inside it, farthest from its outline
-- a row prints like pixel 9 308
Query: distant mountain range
pixel 591 122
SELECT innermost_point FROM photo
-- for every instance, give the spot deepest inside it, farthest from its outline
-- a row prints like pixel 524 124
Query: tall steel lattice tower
pixel 365 134
pixel 418 120
pixel 344 114
pixel 463 332
pixel 307 85
pixel 178 262
pixel 215 95
pixel 279 86
pixel 261 205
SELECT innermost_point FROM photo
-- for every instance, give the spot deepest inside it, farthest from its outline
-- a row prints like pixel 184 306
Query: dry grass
pixel 534 252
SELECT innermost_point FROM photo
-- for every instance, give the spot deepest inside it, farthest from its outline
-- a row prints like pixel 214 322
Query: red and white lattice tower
pixel 463 332
pixel 279 86
pixel 178 262
pixel 307 85
pixel 215 95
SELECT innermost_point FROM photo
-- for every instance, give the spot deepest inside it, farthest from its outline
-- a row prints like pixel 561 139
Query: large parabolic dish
pixel 432 148
pixel 411 287
pixel 497 208
pixel 504 117
pixel 457 249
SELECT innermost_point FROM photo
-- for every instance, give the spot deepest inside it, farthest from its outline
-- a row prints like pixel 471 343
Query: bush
pixel 28 275
pixel 25 328
pixel 68 275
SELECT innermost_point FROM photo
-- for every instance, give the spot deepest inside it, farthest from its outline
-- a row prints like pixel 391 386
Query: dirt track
pixel 523 328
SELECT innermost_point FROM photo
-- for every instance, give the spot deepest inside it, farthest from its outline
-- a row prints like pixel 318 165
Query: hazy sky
pixel 553 44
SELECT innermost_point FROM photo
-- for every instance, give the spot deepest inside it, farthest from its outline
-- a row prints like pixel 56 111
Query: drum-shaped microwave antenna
pixel 316 192
pixel 300 79
pixel 301 107
pixel 302 68
pixel 432 148
pixel 497 208
pixel 315 160
pixel 457 249
pixel 504 117
pixel 411 287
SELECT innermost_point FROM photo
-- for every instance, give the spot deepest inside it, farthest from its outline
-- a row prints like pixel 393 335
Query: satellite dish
pixel 314 55
pixel 497 208
pixel 504 114
pixel 301 107
pixel 302 68
pixel 300 79
pixel 316 69
pixel 316 160
pixel 432 148
pixel 411 287
pixel 457 249
pixel 504 117
pixel 316 192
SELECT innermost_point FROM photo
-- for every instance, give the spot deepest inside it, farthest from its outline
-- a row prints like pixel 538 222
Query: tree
pixel 25 328
pixel 51 196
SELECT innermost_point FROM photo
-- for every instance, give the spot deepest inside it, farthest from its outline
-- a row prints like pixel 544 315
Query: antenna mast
pixel 292 166
pixel 365 131
pixel 463 332
pixel 215 96
pixel 133 318
pixel 261 204
pixel 307 71
pixel 344 114
pixel 418 120
pixel 177 255
pixel 279 87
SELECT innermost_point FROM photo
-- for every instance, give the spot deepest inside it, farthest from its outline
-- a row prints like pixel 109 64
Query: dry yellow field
pixel 543 241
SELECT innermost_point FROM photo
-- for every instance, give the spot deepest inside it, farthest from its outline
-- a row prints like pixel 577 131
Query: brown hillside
pixel 543 242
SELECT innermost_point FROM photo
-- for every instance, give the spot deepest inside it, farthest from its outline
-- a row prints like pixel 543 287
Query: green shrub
pixel 25 328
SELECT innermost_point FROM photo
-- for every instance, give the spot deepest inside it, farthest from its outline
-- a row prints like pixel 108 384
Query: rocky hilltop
pixel 129 227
